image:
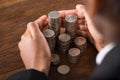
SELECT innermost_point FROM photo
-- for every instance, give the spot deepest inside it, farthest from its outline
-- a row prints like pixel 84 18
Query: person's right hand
pixel 89 29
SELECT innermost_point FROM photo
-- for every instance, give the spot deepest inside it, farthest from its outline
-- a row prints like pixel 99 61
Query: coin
pixel 63 69
pixel 55 59
pixel 50 37
pixel 63 42
pixel 54 20
pixel 71 20
pixel 81 43
pixel 73 55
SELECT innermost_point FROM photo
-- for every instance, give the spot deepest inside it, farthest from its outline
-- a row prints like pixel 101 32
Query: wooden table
pixel 14 15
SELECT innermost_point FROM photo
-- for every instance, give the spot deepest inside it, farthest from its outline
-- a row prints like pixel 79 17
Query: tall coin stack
pixel 71 20
pixel 73 55
pixel 63 43
pixel 54 22
pixel 50 37
pixel 81 43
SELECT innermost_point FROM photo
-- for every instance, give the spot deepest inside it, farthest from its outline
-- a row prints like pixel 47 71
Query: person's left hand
pixel 33 46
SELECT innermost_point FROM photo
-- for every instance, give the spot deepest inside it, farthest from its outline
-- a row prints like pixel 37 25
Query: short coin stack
pixel 55 59
pixel 81 43
pixel 63 43
pixel 73 55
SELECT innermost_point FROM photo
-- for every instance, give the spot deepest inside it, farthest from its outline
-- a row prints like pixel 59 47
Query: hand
pixel 89 30
pixel 33 46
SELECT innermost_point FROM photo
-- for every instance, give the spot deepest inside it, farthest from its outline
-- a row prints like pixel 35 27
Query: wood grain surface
pixel 14 15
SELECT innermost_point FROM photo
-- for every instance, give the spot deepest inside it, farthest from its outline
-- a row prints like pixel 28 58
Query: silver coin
pixel 55 59
pixel 71 20
pixel 81 43
pixel 64 42
pixel 54 21
pixel 73 55
pixel 64 37
pixel 50 37
pixel 63 69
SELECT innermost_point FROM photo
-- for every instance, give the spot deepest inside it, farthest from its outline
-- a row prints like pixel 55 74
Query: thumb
pixel 82 12
pixel 80 9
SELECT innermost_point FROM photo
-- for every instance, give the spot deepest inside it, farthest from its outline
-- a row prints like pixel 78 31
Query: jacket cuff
pixel 30 74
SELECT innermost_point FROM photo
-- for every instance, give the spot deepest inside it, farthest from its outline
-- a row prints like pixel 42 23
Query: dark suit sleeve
pixel 29 75
pixel 109 68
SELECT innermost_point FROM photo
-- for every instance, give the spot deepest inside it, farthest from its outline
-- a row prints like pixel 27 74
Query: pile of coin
pixel 62 38
pixel 50 37
pixel 63 43
pixel 73 55
pixel 70 25
pixel 54 20
pixel 81 43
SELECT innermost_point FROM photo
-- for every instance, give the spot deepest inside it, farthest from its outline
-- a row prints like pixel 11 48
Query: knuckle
pixel 22 37
pixel 80 6
pixel 30 24
pixel 19 44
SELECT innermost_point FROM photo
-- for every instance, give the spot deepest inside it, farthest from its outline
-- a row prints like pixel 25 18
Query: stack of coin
pixel 50 37
pixel 55 59
pixel 63 69
pixel 73 55
pixel 71 20
pixel 63 43
pixel 81 43
pixel 54 21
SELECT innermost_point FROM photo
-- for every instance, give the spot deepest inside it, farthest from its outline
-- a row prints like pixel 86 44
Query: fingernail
pixel 78 6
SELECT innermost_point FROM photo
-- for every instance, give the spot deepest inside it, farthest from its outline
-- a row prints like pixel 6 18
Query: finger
pixel 85 34
pixel 81 21
pixel 64 13
pixel 42 21
pixel 34 29
pixel 19 44
pixel 62 30
pixel 83 27
pixel 80 10
pixel 26 35
pixel 90 38
pixel 82 33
